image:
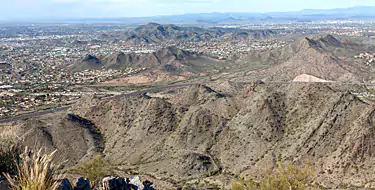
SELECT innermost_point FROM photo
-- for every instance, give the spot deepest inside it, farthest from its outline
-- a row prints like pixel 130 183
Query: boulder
pixel 109 183
pixel 112 183
pixel 82 184
pixel 137 182
pixel 148 185
pixel 65 185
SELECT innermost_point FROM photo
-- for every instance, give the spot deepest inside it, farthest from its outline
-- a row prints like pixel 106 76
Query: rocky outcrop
pixel 65 185
pixel 108 183
pixel 82 184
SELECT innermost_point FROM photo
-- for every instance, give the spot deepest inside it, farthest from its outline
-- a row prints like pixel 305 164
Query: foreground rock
pixel 108 183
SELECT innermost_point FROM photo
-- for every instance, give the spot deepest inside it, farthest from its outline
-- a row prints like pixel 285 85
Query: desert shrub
pixel 35 172
pixel 284 177
pixel 95 169
pixel 9 153
pixel 9 157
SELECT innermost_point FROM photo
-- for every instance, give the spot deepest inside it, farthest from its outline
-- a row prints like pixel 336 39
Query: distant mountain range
pixel 359 12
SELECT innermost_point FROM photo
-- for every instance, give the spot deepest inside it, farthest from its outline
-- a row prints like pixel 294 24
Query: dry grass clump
pixel 8 137
pixel 35 172
pixel 284 177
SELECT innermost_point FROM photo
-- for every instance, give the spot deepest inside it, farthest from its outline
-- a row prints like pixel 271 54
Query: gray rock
pixel 65 185
pixel 112 183
pixel 137 182
pixel 82 184
pixel 109 183
pixel 148 185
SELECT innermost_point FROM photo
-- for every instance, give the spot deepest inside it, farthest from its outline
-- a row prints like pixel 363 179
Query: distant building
pixel 4 87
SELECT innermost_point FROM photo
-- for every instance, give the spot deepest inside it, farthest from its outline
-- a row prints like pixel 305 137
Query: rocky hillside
pixel 198 133
pixel 154 33
pixel 88 62
pixel 201 133
pixel 316 56
pixel 248 35
pixel 76 140
pixel 169 59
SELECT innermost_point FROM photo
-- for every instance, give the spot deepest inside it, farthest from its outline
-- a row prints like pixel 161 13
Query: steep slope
pixel 199 133
pixel 73 140
pixel 175 147
pixel 304 123
pixel 157 33
pixel 202 133
pixel 169 59
pixel 88 62
pixel 248 35
pixel 313 56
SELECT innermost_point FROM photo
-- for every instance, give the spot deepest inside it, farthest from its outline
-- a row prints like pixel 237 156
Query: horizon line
pixel 169 15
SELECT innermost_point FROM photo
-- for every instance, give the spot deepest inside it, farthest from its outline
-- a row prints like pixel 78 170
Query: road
pixel 35 114
pixel 64 108
pixel 59 109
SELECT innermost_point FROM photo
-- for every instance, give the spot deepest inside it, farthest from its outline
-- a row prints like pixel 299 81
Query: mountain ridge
pixel 159 33
pixel 313 55
pixel 205 136
pixel 170 59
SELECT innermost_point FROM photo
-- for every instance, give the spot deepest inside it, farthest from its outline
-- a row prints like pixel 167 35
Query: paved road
pixel 52 110
pixel 35 114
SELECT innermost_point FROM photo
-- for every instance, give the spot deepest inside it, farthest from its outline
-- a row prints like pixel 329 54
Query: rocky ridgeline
pixel 108 183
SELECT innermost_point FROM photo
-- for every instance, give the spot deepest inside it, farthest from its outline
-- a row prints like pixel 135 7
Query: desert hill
pixel 248 35
pixel 197 133
pixel 156 33
pixel 314 56
pixel 169 59
pixel 88 62
pixel 152 33
pixel 75 141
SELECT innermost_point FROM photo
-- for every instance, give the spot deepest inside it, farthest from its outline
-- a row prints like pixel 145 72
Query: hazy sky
pixel 31 9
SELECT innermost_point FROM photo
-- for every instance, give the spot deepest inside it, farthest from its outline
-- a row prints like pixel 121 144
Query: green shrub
pixel 238 185
pixel 95 169
pixel 284 177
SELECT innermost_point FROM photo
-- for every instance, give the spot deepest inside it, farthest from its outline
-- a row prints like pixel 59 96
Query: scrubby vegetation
pixel 95 169
pixel 284 177
pixel 9 153
pixel 35 172
pixel 9 157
